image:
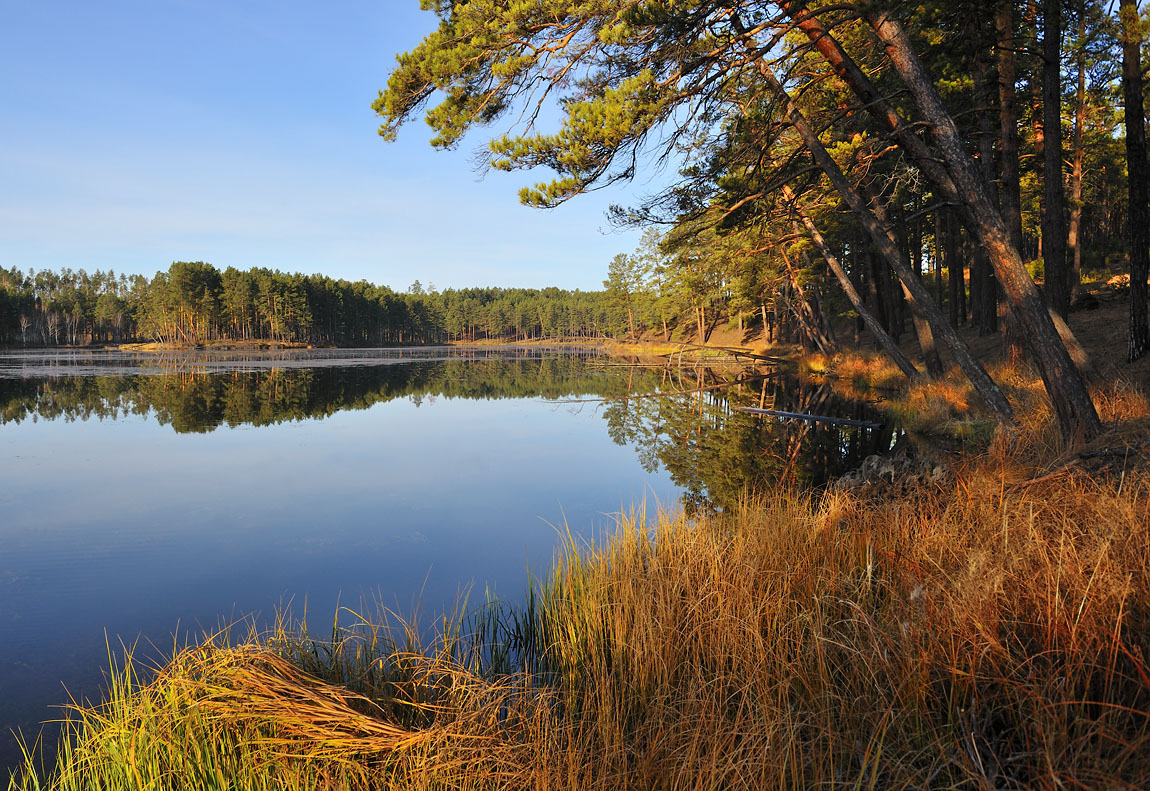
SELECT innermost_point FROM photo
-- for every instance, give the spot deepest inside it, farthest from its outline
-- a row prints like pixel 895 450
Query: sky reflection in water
pixel 134 503
pixel 127 526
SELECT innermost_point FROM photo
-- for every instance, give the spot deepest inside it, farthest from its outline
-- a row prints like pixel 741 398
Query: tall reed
pixel 991 636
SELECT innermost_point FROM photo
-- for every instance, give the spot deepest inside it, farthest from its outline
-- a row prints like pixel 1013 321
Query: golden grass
pixel 995 636
pixel 857 375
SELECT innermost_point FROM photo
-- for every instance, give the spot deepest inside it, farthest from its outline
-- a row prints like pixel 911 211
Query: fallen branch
pixel 838 421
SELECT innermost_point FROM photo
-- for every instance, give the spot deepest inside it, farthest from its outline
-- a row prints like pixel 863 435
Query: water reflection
pixel 683 420
pixel 717 454
pixel 134 500
pixel 199 393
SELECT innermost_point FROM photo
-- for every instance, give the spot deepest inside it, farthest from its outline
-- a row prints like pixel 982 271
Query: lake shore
pixel 990 628
pixel 989 631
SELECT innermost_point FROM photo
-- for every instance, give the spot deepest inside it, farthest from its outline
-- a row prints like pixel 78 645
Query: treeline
pixel 193 303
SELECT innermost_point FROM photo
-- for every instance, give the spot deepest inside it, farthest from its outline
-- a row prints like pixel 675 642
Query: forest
pixel 194 303
pixel 826 147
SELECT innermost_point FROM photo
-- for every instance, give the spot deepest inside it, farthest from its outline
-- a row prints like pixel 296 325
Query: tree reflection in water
pixel 717 455
pixel 679 418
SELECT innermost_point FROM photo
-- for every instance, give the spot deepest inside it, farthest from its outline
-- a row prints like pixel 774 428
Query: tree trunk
pixel 1064 382
pixel 955 282
pixel 983 288
pixel 808 321
pixel 874 291
pixel 1139 211
pixel 1074 230
pixel 939 254
pixel 883 239
pixel 884 340
pixel 1034 87
pixel 1010 190
pixel 1054 196
pixel 922 328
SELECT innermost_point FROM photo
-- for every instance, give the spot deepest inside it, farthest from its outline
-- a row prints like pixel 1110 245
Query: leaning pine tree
pixel 645 76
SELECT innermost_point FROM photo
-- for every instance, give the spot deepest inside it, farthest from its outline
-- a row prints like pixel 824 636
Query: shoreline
pixel 891 624
pixel 860 636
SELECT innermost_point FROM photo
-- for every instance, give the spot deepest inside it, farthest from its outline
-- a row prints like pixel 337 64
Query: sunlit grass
pixel 948 407
pixel 858 375
pixel 995 636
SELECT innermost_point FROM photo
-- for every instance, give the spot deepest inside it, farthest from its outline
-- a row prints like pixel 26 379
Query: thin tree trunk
pixel 939 254
pixel 915 241
pixel 922 328
pixel 1010 190
pixel 954 279
pixel 1074 230
pixel 804 314
pixel 884 340
pixel 1139 211
pixel 984 306
pixel 816 302
pixel 1010 187
pixel 1054 203
pixel 873 287
pixel 1034 87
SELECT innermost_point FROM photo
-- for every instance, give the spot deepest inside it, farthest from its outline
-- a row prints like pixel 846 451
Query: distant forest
pixel 193 303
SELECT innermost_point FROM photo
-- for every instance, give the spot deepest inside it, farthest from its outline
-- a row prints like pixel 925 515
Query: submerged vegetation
pixel 993 634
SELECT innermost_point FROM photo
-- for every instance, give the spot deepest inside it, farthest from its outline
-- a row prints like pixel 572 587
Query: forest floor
pixel 1100 327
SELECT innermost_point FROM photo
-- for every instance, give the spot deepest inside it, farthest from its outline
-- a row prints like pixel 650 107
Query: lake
pixel 143 495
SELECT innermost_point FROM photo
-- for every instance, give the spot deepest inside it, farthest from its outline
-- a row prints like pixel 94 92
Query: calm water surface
pixel 145 494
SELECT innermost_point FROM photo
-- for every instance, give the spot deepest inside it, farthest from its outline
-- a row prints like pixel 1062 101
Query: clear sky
pixel 239 132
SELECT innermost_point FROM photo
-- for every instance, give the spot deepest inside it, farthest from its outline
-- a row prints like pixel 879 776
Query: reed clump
pixel 991 635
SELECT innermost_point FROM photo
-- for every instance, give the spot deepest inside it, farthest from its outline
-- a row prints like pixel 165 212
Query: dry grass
pixel 991 637
pixel 858 375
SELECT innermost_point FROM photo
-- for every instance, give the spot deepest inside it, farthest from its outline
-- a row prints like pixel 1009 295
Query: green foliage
pixel 193 303
pixel 680 82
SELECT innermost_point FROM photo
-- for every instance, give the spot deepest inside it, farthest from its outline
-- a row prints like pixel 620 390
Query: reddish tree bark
pixel 1139 217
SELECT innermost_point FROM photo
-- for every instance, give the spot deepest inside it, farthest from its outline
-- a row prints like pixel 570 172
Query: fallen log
pixel 838 421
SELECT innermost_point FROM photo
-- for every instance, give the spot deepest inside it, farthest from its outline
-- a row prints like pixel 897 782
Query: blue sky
pixel 240 133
